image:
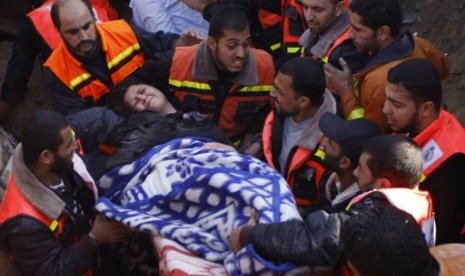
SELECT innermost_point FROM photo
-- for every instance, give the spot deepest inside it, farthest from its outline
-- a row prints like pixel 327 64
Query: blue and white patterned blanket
pixel 196 197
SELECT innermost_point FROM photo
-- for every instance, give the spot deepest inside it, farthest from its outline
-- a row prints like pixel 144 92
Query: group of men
pixel 356 64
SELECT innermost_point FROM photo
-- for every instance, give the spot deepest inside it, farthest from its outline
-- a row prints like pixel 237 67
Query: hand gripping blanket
pixel 196 196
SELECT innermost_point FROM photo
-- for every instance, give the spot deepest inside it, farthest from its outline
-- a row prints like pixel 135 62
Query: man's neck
pixel 305 114
pixel 346 178
pixel 46 177
pixel 421 126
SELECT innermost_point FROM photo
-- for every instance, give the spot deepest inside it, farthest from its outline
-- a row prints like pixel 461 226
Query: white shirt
pixel 168 16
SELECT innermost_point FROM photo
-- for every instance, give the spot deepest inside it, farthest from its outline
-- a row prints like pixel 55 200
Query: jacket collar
pixel 312 135
pixel 339 26
pixel 400 48
pixel 204 67
pixel 35 191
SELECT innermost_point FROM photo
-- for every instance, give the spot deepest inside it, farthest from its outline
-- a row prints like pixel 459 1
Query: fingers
pixel 344 65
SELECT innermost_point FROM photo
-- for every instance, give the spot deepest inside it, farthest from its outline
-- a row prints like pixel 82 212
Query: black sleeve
pixel 347 50
pixel 313 243
pixel 66 101
pixel 156 71
pixel 35 251
pixel 152 43
pixel 97 125
pixel 20 65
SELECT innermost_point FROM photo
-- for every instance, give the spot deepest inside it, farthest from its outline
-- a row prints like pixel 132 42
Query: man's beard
pixel 331 163
pixel 60 164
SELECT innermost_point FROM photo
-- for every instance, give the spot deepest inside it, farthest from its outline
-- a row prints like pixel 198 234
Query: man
pixel 221 77
pixel 291 133
pixel 386 241
pixel 275 25
pixel 413 106
pixel 93 58
pixel 389 171
pixel 376 31
pixel 47 222
pixel 327 36
pixel 36 37
pixel 343 144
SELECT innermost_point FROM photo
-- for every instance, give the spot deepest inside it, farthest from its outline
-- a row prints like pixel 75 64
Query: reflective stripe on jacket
pixel 123 56
pixel 282 25
pixel 42 21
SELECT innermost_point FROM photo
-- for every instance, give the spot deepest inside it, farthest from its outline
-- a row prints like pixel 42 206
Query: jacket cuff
pixel 87 246
pixel 246 235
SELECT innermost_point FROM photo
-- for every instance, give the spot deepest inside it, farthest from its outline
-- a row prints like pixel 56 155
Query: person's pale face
pixel 77 28
pixel 363 37
pixel 285 99
pixel 320 14
pixel 63 156
pixel 400 109
pixel 363 174
pixel 230 51
pixel 141 97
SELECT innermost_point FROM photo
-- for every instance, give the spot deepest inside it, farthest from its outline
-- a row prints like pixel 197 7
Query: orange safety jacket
pixel 232 110
pixel 15 203
pixel 440 140
pixel 343 37
pixel 285 24
pixel 415 202
pixel 122 53
pixel 304 171
pixel 42 20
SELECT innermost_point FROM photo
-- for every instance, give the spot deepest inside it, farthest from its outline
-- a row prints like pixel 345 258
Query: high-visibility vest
pixel 42 20
pixel 282 25
pixel 232 110
pixel 415 202
pixel 123 55
pixel 304 165
pixel 343 37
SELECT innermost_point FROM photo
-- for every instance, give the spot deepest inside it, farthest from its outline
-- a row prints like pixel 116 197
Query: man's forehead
pixel 230 35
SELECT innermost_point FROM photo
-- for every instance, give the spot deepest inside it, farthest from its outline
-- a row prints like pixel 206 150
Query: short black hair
pixel 377 13
pixel 308 78
pixel 396 158
pixel 41 131
pixel 55 11
pixel 227 18
pixel 115 100
pixel 385 241
pixel 421 80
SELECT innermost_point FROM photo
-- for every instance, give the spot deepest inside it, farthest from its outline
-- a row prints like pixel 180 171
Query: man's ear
pixel 304 101
pixel 211 42
pixel 345 163
pixel 382 183
pixel 426 109
pixel 46 157
pixel 383 33
pixel 340 7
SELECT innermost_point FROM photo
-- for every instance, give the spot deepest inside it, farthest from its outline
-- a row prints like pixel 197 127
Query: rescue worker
pixel 413 106
pixel 376 31
pixel 386 241
pixel 221 77
pixel 47 220
pixel 95 57
pixel 275 25
pixel 389 171
pixel 291 134
pixel 36 37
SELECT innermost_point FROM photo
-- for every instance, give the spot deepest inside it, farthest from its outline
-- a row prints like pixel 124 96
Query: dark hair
pixel 55 10
pixel 308 78
pixel 377 13
pixel 41 131
pixel 115 100
pixel 385 241
pixel 227 18
pixel 396 158
pixel 420 79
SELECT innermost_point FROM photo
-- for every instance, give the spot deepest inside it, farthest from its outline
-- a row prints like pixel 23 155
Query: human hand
pixel 216 145
pixel 235 238
pixel 337 81
pixel 188 38
pixel 108 231
pixel 198 5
